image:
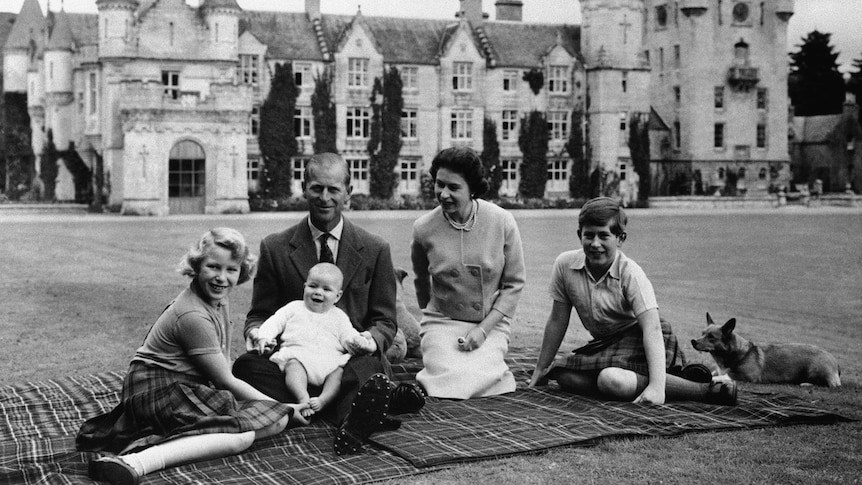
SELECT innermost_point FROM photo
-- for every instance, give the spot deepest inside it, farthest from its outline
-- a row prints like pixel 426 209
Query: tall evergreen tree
pixel 16 154
pixel 533 141
pixel 854 84
pixel 815 85
pixel 491 159
pixel 384 144
pixel 323 110
pixel 579 180
pixel 276 137
pixel 639 148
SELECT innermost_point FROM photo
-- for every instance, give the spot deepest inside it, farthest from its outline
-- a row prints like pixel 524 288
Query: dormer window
pixel 462 76
pixel 357 72
pixel 558 79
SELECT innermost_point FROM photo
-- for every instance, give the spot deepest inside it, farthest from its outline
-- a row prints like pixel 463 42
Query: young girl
pixel 180 403
pixel 317 338
pixel 632 348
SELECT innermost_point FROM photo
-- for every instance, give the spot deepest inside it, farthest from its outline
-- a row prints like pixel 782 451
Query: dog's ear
pixel 709 319
pixel 728 326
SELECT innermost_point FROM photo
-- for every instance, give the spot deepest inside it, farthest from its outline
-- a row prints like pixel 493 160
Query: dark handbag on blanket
pixel 599 344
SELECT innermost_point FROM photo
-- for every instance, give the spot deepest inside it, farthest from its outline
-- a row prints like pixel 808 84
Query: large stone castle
pixel 168 94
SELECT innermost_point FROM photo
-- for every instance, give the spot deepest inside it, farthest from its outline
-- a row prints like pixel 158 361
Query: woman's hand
pixel 473 339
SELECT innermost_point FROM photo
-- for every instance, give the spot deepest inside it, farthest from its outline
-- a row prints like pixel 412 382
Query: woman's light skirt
pixel 456 374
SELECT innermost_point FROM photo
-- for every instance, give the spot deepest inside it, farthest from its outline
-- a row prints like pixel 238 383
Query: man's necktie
pixel 325 252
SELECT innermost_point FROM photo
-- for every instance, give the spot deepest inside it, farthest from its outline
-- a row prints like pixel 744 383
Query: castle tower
pixel 57 65
pixel 719 77
pixel 23 43
pixel 116 18
pixel 617 83
pixel 222 18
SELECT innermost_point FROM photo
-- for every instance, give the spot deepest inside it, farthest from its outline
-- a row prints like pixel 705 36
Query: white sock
pixel 146 461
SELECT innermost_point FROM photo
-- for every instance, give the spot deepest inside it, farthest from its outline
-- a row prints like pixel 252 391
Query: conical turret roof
pixel 61 36
pixel 29 27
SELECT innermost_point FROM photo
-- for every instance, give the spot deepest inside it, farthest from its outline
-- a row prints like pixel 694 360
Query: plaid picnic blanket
pixel 39 420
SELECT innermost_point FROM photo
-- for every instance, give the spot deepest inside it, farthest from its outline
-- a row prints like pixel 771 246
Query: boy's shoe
pixel 697 373
pixel 722 393
pixel 367 415
pixel 114 470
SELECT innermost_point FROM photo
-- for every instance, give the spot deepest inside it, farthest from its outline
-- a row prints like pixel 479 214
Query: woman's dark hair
pixel 601 211
pixel 466 163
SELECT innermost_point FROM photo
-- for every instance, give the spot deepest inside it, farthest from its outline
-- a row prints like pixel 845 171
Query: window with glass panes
pixel 252 172
pixel 358 168
pixel 93 91
pixel 509 167
pixel 510 80
pixel 409 169
pixel 171 81
pixel 408 124
pixel 409 78
pixel 718 135
pixel 558 125
pixel 357 72
pixel 761 135
pixel 186 170
pixel 558 169
pixel 298 166
pixel 302 122
pixel 249 69
pixel 462 76
pixel 302 74
pixel 509 125
pixel 254 120
pixel 358 122
pixel 558 81
pixel 462 125
pixel 718 97
pixel 761 98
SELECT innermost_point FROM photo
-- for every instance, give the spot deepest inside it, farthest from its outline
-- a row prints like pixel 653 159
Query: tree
pixel 533 141
pixel 277 137
pixel 384 144
pixel 491 159
pixel 815 85
pixel 579 180
pixel 48 166
pixel 854 84
pixel 639 150
pixel 323 110
pixel 16 154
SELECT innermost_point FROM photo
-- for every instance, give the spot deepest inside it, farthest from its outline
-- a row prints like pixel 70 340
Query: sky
pixel 841 18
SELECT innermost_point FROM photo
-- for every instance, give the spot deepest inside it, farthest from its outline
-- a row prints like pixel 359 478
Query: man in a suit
pixel 363 402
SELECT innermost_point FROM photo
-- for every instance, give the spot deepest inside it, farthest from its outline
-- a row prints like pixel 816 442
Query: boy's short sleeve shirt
pixel 608 305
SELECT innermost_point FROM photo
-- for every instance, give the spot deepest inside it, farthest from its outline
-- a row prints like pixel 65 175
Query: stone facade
pixel 168 95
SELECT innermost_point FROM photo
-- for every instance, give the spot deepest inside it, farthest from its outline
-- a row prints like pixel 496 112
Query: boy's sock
pixel 679 389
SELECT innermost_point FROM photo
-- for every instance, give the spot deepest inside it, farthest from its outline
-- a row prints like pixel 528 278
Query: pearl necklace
pixel 469 223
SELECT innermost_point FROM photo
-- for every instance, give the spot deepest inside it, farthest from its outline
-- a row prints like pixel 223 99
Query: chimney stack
pixel 510 10
pixel 312 9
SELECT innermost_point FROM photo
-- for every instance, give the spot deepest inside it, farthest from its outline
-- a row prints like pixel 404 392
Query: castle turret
pixel 116 18
pixel 618 79
pixel 25 40
pixel 222 18
pixel 58 80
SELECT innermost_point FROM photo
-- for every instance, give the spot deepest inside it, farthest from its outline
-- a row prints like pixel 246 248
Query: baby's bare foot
pixel 315 403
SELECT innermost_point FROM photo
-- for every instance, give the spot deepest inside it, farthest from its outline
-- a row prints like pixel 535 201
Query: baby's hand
pixel 361 344
pixel 264 346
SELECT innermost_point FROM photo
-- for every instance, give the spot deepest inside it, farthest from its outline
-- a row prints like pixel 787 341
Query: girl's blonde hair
pixel 224 237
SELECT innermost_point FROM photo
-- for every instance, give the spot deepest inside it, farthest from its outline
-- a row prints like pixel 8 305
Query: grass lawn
pixel 79 293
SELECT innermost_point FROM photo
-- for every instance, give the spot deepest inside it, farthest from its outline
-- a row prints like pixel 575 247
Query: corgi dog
pixel 746 361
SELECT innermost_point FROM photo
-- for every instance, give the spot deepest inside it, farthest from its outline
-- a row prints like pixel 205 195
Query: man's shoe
pixel 114 470
pixel 367 414
pixel 406 398
pixel 390 424
pixel 722 393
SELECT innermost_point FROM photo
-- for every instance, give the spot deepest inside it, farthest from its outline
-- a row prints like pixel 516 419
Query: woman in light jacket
pixel 469 269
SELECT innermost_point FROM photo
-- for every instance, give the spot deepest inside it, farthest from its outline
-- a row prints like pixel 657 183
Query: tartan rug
pixel 39 421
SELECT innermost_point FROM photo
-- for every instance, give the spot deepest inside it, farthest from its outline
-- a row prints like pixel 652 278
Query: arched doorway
pixel 186 178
